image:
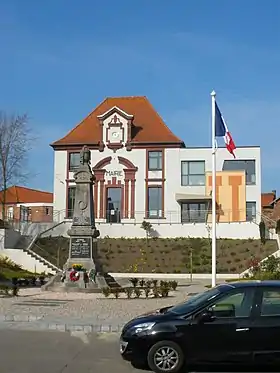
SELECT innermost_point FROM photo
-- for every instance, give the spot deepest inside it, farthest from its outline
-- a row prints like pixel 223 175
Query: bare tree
pixel 15 144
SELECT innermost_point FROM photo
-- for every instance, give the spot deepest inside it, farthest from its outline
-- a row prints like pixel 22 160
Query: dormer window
pixel 116 129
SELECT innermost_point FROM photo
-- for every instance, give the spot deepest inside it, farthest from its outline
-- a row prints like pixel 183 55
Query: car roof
pixel 252 283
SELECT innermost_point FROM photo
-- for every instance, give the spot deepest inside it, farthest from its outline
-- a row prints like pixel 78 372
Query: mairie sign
pixel 114 173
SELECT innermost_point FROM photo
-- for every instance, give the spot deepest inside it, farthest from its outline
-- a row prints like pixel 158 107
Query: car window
pixel 270 305
pixel 237 304
pixel 195 301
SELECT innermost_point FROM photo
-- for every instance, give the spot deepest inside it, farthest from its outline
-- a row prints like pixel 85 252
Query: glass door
pixel 114 202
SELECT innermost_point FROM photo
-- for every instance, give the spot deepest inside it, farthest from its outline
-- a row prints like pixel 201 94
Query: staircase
pixel 269 223
pixel 18 248
pixel 271 228
pixel 28 249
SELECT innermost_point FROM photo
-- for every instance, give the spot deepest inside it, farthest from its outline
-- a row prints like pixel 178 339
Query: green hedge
pixel 9 274
pixel 9 290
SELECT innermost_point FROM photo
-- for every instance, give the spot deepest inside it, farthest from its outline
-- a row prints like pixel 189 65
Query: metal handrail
pixel 170 216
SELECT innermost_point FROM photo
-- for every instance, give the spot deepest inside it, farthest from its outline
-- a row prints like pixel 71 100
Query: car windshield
pixel 195 301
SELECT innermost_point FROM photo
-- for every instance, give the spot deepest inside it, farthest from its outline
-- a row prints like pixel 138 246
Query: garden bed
pixel 169 255
pixel 142 289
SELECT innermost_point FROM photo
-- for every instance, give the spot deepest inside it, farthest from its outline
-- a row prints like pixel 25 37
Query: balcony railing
pixel 168 217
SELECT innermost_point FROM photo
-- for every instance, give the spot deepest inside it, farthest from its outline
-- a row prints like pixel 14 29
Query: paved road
pixel 24 351
pixel 60 352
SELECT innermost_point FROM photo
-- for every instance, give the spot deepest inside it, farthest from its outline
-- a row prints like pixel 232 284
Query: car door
pixel 227 337
pixel 266 326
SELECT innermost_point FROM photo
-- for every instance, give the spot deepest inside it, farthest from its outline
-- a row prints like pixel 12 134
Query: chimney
pixel 274 192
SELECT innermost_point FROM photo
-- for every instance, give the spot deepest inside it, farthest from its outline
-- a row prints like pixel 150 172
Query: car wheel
pixel 166 357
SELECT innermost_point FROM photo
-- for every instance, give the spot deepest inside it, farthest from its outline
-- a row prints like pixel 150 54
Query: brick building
pixel 271 205
pixel 24 204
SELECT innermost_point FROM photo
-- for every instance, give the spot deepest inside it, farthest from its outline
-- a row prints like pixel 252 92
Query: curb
pixel 39 324
pixel 20 318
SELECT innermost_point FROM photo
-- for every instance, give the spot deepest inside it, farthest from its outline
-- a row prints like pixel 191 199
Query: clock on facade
pixel 115 134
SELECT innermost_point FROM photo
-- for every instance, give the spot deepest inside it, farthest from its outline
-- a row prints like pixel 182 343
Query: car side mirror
pixel 206 316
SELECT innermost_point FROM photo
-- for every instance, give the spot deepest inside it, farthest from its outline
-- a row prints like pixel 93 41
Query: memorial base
pixel 82 250
pixel 101 281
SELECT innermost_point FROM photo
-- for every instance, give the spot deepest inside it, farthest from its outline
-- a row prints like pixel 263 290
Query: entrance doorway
pixel 114 203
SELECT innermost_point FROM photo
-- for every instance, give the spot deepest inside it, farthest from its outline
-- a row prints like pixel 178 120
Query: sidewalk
pixel 36 310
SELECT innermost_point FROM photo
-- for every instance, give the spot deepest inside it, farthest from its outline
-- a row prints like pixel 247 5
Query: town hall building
pixel 145 172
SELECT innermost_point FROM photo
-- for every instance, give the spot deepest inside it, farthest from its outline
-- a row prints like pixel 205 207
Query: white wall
pixel 60 175
pixel 2 239
pixel 173 158
pixel 224 230
pixel 25 260
pixel 137 157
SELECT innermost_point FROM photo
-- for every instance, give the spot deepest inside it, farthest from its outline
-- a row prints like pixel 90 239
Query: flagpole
pixel 214 251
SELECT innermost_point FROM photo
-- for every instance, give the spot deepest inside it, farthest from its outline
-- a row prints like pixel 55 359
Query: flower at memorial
pixel 74 276
pixel 77 267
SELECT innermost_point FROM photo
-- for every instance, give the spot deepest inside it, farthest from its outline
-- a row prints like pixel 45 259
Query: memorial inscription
pixel 80 247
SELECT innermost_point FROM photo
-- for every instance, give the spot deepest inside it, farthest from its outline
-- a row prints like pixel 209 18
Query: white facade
pixel 120 161
pixel 174 157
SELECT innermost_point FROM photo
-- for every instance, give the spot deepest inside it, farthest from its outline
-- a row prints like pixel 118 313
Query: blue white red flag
pixel 221 130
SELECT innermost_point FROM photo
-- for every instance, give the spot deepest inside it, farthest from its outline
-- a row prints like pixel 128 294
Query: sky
pixel 61 58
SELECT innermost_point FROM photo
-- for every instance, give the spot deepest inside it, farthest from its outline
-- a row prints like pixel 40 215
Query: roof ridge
pixel 34 190
pixel 125 97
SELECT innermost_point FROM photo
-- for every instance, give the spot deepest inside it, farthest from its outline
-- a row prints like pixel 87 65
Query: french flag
pixel 221 130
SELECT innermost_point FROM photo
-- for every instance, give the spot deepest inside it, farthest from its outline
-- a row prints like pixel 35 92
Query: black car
pixel 236 323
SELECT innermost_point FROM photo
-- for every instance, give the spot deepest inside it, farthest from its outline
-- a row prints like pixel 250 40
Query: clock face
pixel 115 135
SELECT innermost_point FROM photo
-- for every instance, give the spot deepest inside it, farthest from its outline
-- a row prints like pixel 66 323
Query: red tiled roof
pixel 148 126
pixel 18 194
pixel 267 198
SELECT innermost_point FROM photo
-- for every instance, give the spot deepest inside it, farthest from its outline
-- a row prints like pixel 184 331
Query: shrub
pixel 106 292
pixel 155 292
pixel 15 291
pixel 262 232
pixel 134 281
pixel 147 226
pixel 173 285
pixel 164 289
pixel 9 290
pixel 6 262
pixel 254 264
pixel 271 264
pixel 147 291
pixel 4 289
pixel 33 280
pixel 149 284
pixel 116 292
pixel 128 292
pixel 42 280
pixel 278 226
pixel 155 282
pixel 137 292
